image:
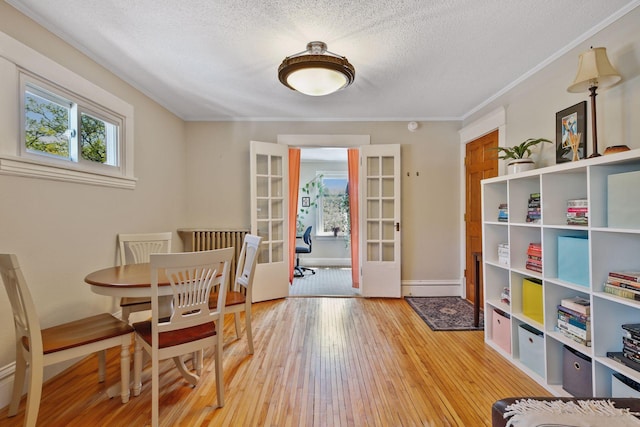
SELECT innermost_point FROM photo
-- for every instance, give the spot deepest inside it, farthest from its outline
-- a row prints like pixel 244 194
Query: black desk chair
pixel 306 238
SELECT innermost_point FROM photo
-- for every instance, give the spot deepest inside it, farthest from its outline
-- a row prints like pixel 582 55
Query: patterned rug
pixel 446 313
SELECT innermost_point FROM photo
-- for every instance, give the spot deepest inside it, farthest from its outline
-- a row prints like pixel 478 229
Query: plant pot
pixel 520 165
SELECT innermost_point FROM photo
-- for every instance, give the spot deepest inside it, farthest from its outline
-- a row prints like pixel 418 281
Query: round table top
pixel 125 276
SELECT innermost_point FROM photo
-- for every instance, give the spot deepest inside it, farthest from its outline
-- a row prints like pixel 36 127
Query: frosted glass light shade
pixel 316 81
pixel 316 72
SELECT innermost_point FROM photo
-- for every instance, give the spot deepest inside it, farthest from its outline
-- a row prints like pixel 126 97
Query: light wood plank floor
pixel 317 362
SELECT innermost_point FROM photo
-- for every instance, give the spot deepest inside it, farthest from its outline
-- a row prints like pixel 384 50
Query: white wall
pixel 62 231
pixel 218 154
pixel 532 105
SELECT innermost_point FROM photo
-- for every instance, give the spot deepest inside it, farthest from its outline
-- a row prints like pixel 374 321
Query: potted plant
pixel 517 157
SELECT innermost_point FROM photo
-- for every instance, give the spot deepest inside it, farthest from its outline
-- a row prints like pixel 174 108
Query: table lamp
pixel 594 70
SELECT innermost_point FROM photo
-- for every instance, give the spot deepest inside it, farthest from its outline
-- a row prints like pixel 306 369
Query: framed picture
pixel 569 123
pixel 306 202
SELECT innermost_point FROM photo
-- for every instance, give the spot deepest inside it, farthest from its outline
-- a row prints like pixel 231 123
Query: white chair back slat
pixel 191 286
pixel 137 248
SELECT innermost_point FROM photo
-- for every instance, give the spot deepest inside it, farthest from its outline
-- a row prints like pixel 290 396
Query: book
pixel 580 323
pixel 579 304
pixel 575 330
pixel 574 313
pixel 577 202
pixel 629 344
pixel 533 267
pixel 628 275
pixel 621 292
pixel 619 357
pixel 613 279
pixel 623 285
pixel 586 343
pixel 633 328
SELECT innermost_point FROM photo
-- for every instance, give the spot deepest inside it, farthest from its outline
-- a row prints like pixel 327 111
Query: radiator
pixel 206 239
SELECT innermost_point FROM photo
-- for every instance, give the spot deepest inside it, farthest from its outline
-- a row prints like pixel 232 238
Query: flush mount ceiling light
pixel 316 71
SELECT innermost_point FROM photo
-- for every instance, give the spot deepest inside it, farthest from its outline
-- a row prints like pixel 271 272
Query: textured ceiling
pixel 414 59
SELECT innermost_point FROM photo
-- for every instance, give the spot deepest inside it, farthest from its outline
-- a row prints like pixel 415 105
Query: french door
pixel 269 166
pixel 380 220
pixel 380 255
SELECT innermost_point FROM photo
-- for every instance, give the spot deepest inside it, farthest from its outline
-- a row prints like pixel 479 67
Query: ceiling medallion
pixel 316 71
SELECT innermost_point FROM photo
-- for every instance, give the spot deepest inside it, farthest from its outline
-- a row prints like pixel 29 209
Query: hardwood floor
pixel 317 362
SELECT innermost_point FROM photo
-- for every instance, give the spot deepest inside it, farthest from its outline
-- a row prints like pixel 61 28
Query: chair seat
pixel 302 250
pixel 81 332
pixel 232 298
pixel 126 302
pixel 177 337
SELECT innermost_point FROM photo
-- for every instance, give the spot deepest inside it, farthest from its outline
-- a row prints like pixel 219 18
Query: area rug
pixel 446 313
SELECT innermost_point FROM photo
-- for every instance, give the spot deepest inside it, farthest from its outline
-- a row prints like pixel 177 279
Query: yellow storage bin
pixel 532 299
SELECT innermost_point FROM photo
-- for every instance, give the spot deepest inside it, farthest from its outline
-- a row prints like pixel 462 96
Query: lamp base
pixel 594 155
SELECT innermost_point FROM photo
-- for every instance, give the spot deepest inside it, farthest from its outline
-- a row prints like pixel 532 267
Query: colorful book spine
pixel 627 275
pixel 621 292
pixel 579 304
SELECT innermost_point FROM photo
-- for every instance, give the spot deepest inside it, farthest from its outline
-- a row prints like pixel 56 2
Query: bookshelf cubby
pixel 609 249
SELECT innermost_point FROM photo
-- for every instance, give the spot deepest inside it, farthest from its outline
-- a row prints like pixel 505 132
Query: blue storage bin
pixel 573 259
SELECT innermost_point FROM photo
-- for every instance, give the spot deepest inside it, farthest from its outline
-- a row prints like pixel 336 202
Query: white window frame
pixel 320 213
pixel 19 63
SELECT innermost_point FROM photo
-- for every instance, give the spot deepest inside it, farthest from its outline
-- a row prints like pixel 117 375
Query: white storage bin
pixel 531 344
pixel 622 386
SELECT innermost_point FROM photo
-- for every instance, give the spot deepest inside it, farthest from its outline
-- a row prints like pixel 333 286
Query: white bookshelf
pixel 609 249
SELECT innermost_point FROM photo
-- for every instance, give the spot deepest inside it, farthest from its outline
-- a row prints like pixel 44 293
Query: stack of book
pixel 503 253
pixel 574 319
pixel 505 296
pixel 534 257
pixel 625 284
pixel 631 341
pixel 577 212
pixel 630 354
pixel 533 209
pixel 503 212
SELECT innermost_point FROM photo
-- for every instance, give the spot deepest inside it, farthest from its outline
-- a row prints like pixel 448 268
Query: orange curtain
pixel 294 182
pixel 354 213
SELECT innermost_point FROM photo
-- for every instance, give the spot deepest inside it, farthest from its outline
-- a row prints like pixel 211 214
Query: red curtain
pixel 294 181
pixel 353 156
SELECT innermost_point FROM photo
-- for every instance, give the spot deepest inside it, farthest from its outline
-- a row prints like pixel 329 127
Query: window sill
pixel 17 166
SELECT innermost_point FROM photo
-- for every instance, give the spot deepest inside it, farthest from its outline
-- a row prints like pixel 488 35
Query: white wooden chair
pixel 190 329
pixel 38 348
pixel 239 297
pixel 135 249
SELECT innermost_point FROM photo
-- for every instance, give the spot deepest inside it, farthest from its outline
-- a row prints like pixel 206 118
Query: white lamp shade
pixel 594 69
pixel 316 81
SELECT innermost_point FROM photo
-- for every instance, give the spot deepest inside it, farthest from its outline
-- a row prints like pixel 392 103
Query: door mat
pixel 446 313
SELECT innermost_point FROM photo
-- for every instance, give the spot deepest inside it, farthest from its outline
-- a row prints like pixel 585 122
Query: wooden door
pixel 480 163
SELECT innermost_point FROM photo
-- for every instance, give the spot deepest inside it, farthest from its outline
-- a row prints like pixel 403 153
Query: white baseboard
pixel 6 383
pixel 431 288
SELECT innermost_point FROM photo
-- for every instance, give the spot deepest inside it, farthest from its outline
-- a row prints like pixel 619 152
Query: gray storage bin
pixel 531 344
pixel 576 373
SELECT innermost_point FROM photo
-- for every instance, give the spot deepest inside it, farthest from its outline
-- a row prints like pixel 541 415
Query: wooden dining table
pixel 131 280
pixel 134 281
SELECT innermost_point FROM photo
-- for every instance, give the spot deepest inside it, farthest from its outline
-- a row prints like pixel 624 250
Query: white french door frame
pixel 380 236
pixel 269 189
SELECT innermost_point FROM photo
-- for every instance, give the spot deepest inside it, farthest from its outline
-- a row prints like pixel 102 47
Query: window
pixel 57 125
pixel 333 212
pixel 60 127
